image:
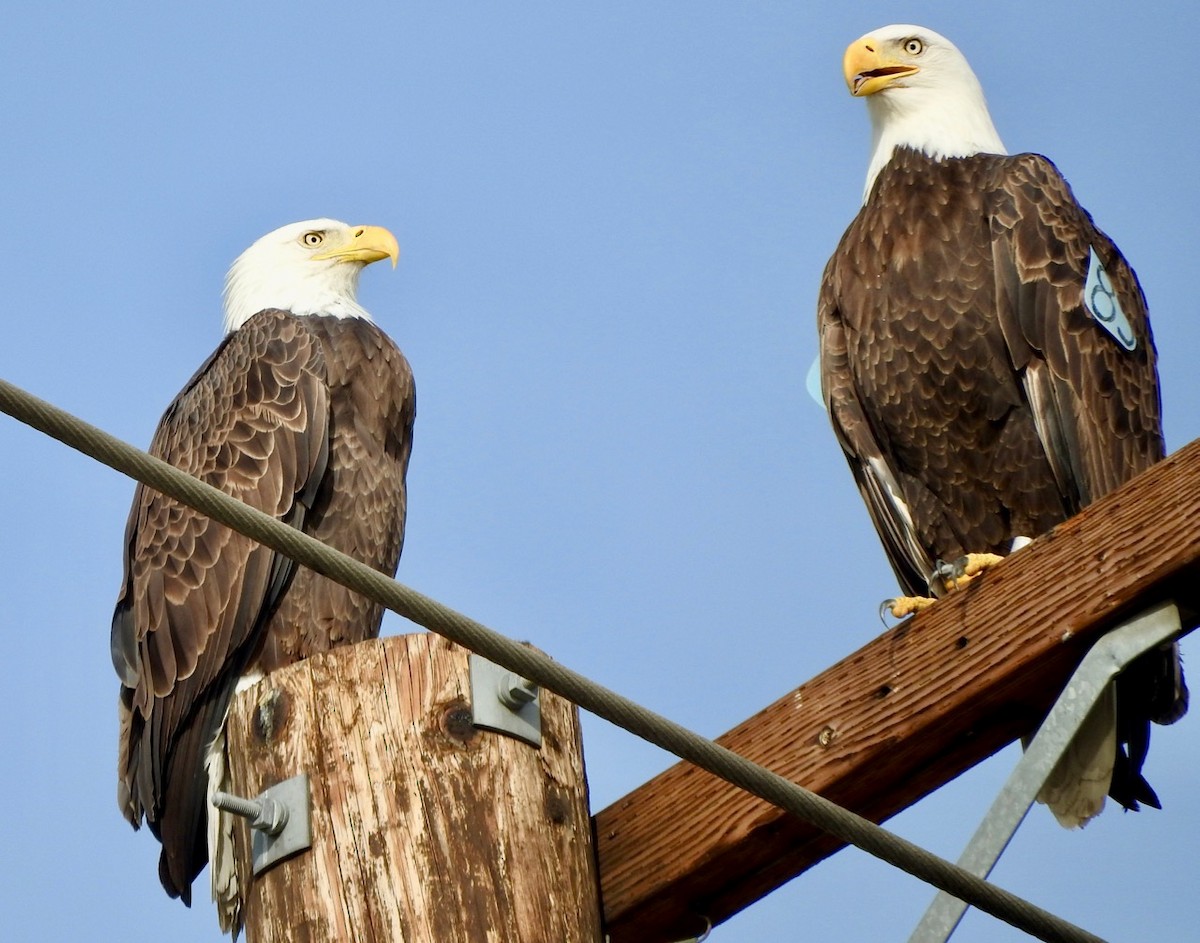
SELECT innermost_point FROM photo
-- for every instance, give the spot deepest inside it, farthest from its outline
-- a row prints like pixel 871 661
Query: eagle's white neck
pixel 308 288
pixel 950 120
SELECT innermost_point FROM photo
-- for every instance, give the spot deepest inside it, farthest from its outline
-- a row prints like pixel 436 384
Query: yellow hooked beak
pixel 868 70
pixel 367 244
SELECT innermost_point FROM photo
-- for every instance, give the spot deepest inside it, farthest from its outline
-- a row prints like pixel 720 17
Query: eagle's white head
pixel 306 268
pixel 920 93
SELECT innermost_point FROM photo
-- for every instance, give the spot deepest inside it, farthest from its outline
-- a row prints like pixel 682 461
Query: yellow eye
pixel 313 239
pixel 914 46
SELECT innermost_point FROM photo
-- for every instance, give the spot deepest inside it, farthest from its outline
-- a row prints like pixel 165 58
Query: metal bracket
pixel 1103 663
pixel 280 820
pixel 503 701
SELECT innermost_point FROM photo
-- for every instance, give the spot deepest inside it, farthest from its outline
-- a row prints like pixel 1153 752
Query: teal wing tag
pixel 1102 304
pixel 812 382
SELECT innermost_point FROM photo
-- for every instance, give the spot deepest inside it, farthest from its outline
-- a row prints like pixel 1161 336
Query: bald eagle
pixel 304 411
pixel 987 363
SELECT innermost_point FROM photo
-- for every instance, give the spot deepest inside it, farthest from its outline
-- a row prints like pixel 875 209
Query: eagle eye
pixel 313 239
pixel 914 46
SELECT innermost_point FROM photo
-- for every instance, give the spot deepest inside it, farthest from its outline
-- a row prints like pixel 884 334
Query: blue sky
pixel 613 221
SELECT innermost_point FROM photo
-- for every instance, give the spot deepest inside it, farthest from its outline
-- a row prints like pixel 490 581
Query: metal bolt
pixel 266 815
pixel 515 692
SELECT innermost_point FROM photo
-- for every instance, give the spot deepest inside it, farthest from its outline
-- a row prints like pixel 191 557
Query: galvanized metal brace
pixel 505 702
pixel 1103 663
pixel 280 820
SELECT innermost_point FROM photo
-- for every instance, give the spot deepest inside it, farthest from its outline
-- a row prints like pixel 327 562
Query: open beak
pixel 869 71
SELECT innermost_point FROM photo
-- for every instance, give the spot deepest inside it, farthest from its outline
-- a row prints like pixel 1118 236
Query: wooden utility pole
pixel 424 828
pixel 906 713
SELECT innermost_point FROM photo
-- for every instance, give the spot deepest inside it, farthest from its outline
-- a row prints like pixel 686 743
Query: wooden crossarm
pixel 903 715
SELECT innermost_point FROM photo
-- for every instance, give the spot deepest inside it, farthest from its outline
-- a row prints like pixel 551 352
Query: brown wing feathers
pixel 1102 401
pixel 253 422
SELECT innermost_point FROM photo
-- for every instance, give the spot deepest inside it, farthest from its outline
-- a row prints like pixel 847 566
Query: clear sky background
pixel 613 220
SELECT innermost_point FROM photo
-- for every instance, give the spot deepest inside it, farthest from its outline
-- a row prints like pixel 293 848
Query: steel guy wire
pixel 654 728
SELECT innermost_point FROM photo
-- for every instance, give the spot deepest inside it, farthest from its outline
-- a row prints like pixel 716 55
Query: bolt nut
pixel 515 692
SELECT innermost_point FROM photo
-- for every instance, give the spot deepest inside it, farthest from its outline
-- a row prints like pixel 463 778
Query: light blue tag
pixel 1103 305
pixel 812 382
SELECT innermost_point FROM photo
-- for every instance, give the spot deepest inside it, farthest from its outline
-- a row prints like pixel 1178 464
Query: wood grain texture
pixel 423 827
pixel 904 714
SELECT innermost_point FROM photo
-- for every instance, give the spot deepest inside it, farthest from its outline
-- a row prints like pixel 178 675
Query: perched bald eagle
pixel 987 363
pixel 304 411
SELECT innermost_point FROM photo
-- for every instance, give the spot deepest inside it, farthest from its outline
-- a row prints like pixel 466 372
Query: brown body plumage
pixel 309 419
pixel 975 397
pixel 957 354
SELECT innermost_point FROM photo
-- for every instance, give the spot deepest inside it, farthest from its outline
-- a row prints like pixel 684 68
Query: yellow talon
pixel 906 605
pixel 951 576
pixel 971 566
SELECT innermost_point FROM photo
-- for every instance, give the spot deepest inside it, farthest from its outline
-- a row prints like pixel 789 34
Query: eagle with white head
pixel 988 366
pixel 304 411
